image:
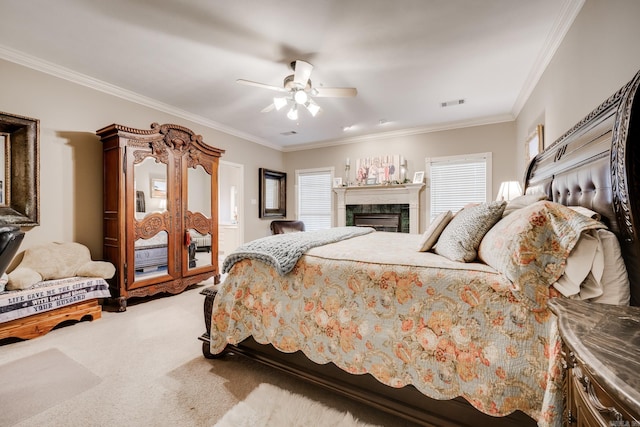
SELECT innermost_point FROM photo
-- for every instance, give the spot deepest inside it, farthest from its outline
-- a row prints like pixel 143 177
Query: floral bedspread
pixel 373 304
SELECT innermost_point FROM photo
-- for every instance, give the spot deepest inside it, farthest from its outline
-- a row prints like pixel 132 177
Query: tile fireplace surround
pixel 381 195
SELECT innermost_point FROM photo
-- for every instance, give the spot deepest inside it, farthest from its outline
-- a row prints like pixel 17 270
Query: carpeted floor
pixel 144 367
pixel 32 384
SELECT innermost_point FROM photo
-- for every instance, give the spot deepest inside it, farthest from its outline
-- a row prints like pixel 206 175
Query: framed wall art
pixel 534 143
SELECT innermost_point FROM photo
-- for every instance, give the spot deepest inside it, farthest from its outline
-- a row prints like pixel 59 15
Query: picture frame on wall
pixel 534 143
pixel 158 188
pixel 418 177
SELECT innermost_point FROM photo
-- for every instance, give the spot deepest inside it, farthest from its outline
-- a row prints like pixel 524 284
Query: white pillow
pixel 615 282
pixel 583 270
pixel 430 237
pixel 595 270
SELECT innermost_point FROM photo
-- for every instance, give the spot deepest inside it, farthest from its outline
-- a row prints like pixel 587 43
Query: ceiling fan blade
pixel 268 108
pixel 335 92
pixel 302 73
pixel 262 85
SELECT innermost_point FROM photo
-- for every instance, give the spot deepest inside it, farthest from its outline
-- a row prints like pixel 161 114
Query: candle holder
pixel 347 168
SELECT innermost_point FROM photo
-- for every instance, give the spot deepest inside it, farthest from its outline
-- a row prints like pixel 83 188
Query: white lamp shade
pixel 509 190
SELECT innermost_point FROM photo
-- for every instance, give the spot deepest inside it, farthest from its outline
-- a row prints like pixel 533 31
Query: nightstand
pixel 601 345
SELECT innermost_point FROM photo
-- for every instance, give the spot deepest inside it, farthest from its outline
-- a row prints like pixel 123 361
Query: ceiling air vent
pixel 451 103
pixel 291 132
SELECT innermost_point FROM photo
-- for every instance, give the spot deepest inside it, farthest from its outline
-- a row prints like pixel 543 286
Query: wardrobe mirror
pixel 199 214
pixel 150 201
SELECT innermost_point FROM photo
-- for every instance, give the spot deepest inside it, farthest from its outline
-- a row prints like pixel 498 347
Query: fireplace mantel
pixel 381 195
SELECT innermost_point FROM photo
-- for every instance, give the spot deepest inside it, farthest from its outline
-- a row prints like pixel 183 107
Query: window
pixel 314 196
pixel 455 181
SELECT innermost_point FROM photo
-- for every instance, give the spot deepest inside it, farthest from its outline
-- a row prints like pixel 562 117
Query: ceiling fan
pixel 298 90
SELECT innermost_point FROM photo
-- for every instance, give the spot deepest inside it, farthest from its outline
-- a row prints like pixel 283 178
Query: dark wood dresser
pixel 601 346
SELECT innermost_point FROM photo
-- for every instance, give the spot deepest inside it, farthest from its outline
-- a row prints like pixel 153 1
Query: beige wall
pixel 71 154
pixel 497 139
pixel 599 55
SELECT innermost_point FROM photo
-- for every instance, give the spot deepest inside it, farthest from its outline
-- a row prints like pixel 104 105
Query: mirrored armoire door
pixel 200 208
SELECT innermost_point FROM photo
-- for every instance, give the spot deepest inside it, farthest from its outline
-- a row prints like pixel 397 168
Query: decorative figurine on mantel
pixel 347 169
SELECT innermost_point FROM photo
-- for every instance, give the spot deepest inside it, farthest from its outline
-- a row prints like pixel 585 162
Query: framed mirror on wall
pixel 20 171
pixel 272 194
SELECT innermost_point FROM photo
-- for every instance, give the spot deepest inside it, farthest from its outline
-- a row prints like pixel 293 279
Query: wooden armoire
pixel 160 209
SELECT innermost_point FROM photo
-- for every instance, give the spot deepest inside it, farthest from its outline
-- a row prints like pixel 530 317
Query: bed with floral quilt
pixel 450 327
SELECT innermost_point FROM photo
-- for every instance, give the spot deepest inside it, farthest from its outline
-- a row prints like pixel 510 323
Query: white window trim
pixel 487 156
pixel 329 169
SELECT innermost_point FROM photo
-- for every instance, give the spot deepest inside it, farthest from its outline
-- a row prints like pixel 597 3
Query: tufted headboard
pixel 596 164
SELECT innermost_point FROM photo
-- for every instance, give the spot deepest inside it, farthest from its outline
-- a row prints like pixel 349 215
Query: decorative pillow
pixel 531 246
pixel 437 226
pixel 460 239
pixel 521 202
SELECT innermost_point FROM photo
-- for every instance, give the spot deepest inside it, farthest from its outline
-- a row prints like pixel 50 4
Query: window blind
pixel 457 181
pixel 315 198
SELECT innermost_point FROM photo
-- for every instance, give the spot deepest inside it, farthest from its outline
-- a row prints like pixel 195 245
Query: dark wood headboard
pixel 596 165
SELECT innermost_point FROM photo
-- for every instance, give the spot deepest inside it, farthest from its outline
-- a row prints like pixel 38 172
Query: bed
pixel 33 312
pixel 151 254
pixel 442 344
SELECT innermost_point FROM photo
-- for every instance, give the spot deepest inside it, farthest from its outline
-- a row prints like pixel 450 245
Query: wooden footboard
pixel 40 324
pixel 407 402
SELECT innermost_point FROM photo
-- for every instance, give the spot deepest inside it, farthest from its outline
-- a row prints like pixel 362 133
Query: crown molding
pixel 568 13
pixel 55 70
pixel 403 132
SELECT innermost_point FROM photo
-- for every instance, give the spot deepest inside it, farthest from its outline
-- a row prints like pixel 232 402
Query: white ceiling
pixel 405 57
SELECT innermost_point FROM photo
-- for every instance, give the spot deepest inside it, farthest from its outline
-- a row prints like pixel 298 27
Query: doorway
pixel 230 207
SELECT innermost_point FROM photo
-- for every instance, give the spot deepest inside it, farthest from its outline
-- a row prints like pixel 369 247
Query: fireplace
pixel 382 217
pixel 367 196
pixel 379 221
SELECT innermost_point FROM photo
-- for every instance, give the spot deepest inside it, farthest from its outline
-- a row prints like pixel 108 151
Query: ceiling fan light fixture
pixel 300 96
pixel 313 108
pixel 279 102
pixel 293 113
